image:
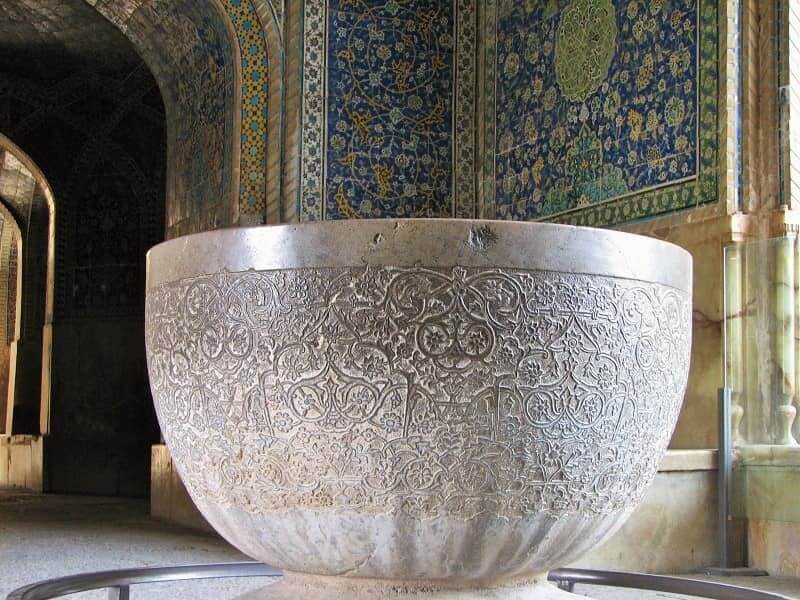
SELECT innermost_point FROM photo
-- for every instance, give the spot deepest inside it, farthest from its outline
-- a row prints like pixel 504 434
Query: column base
pixel 316 587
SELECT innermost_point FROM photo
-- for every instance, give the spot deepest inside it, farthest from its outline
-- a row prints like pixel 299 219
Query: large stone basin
pixel 429 408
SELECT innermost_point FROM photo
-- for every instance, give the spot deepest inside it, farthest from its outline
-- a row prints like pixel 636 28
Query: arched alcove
pixel 101 78
pixel 27 269
pixel 77 97
pixel 220 71
pixel 197 69
pixel 10 310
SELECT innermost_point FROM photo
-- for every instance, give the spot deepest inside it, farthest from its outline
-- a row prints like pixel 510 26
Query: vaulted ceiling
pixel 61 31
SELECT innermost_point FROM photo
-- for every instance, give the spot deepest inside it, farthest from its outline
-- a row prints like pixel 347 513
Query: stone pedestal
pixel 21 462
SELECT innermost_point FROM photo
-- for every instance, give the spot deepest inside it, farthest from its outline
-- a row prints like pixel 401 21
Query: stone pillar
pixel 785 412
pixel 8 419
pixel 734 341
pixel 46 380
pixel 796 428
pixel 789 100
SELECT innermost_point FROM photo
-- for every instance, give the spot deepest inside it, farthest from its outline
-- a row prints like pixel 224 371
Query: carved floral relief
pixel 426 391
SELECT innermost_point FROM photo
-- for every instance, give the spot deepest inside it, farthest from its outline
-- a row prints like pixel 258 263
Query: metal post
pixel 122 592
pixel 565 585
pixel 724 473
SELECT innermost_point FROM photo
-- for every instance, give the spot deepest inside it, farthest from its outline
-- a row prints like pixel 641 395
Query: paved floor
pixel 50 536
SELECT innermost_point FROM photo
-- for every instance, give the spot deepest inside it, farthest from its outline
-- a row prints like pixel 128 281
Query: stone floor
pixel 50 536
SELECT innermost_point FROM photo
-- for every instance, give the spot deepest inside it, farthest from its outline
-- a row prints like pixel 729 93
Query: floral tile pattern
pixel 395 136
pixel 390 108
pixel 598 108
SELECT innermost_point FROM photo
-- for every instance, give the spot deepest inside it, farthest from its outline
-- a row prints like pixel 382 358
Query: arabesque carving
pixel 454 391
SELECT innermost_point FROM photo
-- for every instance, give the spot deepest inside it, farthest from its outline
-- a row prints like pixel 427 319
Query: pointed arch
pixel 10 311
pixel 192 52
pixel 256 60
pixel 12 157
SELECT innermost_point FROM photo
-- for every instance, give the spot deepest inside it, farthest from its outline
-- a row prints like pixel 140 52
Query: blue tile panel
pixel 596 99
pixel 389 114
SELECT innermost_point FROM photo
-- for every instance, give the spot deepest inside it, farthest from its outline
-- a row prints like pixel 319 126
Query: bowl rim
pixel 448 242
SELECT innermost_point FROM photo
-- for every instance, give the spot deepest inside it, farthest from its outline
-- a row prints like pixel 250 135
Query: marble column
pixel 734 339
pixel 785 412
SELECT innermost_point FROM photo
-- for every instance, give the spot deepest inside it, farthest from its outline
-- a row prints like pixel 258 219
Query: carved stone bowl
pixel 444 403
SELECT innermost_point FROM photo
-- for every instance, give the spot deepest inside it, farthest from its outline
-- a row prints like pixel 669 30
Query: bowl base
pixel 294 586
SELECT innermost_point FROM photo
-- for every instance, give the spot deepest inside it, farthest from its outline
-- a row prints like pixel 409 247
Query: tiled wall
pixel 585 111
pixel 201 132
pixel 389 109
pixel 188 48
pixel 379 101
pixel 212 60
pixel 599 111
pixel 389 113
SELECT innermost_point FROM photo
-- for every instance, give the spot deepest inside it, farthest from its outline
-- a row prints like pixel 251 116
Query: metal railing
pixel 119 582
pixel 567 578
